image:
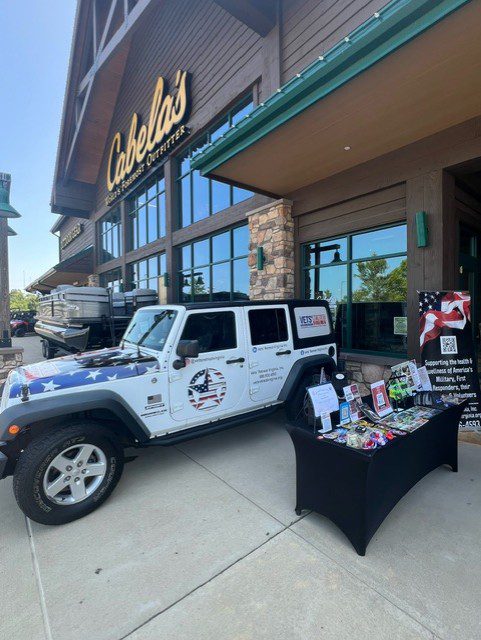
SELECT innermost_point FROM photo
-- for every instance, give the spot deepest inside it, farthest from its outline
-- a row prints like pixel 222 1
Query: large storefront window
pixel 201 197
pixel 112 280
pixel 147 213
pixel 364 278
pixel 110 236
pixel 145 273
pixel 215 268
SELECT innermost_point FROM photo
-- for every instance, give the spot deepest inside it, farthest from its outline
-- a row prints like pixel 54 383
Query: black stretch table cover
pixel 357 489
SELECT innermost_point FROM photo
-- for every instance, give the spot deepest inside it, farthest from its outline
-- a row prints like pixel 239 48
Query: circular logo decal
pixel 207 389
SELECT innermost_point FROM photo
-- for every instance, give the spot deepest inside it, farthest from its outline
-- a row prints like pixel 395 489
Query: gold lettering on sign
pixel 71 235
pixel 148 142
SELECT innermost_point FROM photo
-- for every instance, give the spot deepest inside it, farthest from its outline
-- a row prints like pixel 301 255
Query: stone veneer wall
pixel 272 228
pixel 365 374
pixel 10 357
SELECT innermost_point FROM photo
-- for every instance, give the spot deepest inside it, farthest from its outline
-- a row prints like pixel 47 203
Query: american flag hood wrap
pixel 80 370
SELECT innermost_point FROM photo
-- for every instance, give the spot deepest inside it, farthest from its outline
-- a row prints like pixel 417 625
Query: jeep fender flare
pixel 31 411
pixel 301 368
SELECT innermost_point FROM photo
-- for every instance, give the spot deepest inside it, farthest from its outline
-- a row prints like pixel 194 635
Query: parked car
pixel 181 371
pixel 22 322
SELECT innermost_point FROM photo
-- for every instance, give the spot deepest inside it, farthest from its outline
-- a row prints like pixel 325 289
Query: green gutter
pixel 393 26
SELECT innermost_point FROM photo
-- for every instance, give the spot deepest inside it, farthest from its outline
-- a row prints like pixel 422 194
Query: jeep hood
pixel 79 370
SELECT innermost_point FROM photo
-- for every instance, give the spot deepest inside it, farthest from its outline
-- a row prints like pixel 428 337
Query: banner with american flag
pixel 447 349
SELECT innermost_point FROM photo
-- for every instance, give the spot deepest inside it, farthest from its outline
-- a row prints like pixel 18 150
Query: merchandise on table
pixel 380 399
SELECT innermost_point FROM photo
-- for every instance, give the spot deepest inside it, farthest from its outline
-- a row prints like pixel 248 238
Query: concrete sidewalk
pixel 201 541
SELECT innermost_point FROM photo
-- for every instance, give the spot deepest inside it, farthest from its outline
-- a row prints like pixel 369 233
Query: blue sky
pixel 34 51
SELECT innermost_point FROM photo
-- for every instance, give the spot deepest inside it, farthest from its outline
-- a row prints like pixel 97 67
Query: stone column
pixel 272 228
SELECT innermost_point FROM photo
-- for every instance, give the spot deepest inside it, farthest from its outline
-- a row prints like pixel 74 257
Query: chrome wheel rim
pixel 75 474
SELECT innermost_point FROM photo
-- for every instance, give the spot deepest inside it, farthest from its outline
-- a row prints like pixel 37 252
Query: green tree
pixel 378 286
pixel 22 301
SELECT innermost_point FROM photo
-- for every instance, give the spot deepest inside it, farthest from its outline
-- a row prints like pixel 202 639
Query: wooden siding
pixel 223 56
pixel 310 27
pixel 371 210
pixel 86 238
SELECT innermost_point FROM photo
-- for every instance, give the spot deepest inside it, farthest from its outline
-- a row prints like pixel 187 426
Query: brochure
pixel 351 392
pixel 381 403
pixel 325 422
pixel 424 377
pixel 408 371
pixel 344 415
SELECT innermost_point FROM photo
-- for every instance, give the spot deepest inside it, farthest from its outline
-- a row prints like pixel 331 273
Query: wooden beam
pixel 258 15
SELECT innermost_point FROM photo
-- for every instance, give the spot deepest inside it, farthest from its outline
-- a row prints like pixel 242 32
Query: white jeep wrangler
pixel 181 371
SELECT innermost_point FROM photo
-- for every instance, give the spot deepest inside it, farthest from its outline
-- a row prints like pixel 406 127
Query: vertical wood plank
pixel 415 270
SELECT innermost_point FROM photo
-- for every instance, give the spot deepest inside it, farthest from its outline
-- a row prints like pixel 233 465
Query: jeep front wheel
pixel 65 474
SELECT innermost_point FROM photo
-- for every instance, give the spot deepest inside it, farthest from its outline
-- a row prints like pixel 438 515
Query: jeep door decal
pixel 207 389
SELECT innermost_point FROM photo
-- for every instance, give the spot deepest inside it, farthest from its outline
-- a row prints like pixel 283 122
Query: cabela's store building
pixel 220 150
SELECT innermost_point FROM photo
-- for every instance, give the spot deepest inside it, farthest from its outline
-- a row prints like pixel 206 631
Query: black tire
pixel 34 461
pixel 295 405
pixel 20 332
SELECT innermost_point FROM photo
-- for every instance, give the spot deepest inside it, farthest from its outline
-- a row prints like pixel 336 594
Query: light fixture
pixel 6 209
pixel 260 258
pixel 337 257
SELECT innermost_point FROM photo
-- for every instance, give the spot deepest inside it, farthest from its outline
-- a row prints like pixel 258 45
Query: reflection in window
pixel 215 331
pixel 215 268
pixel 145 273
pixel 147 213
pixel 363 277
pixel 110 236
pixel 201 197
pixel 112 280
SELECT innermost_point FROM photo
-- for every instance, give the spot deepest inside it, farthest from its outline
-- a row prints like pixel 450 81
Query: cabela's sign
pixel 147 143
pixel 71 235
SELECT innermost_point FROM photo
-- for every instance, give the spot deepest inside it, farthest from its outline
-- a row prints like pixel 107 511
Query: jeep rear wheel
pixel 67 473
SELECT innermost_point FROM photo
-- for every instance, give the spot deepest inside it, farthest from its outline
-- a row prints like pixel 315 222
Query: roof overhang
pixel 68 271
pixel 411 70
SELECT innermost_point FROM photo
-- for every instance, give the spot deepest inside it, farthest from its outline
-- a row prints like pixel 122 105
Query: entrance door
pixel 469 277
pixel 214 385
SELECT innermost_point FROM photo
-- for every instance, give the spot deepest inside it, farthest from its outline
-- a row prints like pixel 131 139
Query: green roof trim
pixel 387 30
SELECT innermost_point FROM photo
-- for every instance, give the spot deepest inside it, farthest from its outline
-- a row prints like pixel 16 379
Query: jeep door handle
pixel 235 360
pixel 284 353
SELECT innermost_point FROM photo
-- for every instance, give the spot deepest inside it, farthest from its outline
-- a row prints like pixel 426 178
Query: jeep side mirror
pixel 186 349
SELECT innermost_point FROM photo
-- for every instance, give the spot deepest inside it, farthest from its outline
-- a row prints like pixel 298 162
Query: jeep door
pixel 270 347
pixel 214 385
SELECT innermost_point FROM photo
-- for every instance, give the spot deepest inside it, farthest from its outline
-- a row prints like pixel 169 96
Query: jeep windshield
pixel 150 328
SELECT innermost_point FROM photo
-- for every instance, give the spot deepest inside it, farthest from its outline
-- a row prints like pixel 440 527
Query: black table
pixel 356 489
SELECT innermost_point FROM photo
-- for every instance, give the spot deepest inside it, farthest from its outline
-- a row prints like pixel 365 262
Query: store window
pixel 202 197
pixel 147 213
pixel 363 277
pixel 110 236
pixel 267 326
pixel 145 273
pixel 215 268
pixel 112 280
pixel 215 331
